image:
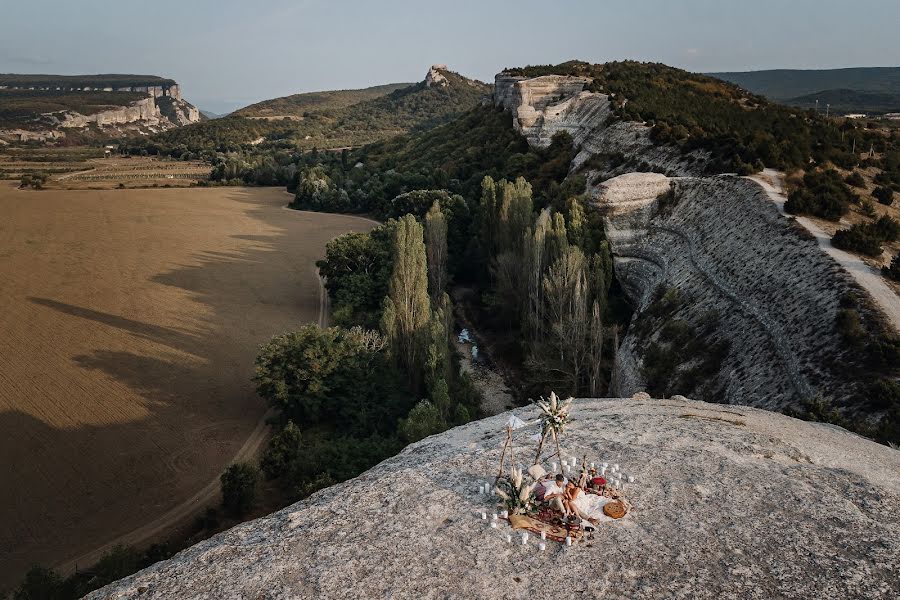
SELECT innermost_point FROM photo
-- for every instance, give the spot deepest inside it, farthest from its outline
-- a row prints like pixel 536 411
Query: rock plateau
pixel 729 502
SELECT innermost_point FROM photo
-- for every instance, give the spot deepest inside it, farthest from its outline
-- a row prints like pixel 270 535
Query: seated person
pixel 554 493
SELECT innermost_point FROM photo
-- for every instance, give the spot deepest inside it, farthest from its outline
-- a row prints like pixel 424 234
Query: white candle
pixel 593 466
pixel 543 535
pixel 484 516
pixel 505 514
pixel 630 479
pixel 574 461
pixel 494 524
pixel 524 538
pixel 494 518
pixel 565 463
pixel 553 467
pixel 542 546
pixel 616 467
pixel 509 538
pixel 568 541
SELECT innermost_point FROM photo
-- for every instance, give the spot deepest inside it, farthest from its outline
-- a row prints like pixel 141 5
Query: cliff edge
pixel 728 502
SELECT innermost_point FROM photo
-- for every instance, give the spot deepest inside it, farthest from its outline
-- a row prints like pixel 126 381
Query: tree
pixel 40 584
pixel 566 290
pixel 892 271
pixel 516 207
pixel 423 420
pixel 884 195
pixel 436 248
pixel 407 306
pixel 239 488
pixel 595 351
pixel 284 448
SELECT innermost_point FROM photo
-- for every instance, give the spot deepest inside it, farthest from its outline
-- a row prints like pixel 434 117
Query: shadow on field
pixel 67 490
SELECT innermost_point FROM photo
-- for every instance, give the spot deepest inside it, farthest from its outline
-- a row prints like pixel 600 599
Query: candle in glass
pixel 542 546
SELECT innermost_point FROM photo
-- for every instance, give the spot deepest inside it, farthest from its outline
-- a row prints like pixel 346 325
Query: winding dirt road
pixel 867 277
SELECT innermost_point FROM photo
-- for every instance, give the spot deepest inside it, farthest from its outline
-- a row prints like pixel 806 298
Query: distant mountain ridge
pixel 857 89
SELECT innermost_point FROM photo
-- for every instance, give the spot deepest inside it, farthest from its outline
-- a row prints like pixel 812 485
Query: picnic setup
pixel 566 501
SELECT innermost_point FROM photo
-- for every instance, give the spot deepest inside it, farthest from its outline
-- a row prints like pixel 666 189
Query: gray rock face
pixel 725 247
pixel 543 106
pixel 728 502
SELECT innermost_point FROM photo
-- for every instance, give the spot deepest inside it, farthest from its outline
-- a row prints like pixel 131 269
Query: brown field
pixel 129 321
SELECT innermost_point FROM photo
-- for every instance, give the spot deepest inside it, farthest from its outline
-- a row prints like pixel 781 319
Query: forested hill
pixel 296 105
pixel 874 89
pixel 440 98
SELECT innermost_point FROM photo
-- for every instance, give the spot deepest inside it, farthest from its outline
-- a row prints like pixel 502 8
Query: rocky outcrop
pixel 725 247
pixel 728 502
pixel 144 110
pixel 544 106
pixel 434 77
pixel 162 108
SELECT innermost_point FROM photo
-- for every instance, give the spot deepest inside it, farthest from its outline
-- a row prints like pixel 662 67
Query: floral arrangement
pixel 554 413
pixel 516 495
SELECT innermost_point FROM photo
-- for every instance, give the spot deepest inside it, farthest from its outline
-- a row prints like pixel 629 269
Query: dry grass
pixel 130 321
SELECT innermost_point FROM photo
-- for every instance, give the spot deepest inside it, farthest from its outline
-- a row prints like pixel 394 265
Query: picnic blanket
pixel 556 533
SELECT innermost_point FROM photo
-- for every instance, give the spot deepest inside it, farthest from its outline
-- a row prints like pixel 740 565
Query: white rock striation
pixel 728 502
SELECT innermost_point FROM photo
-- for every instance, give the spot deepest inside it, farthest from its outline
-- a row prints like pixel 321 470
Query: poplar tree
pixel 436 250
pixel 407 307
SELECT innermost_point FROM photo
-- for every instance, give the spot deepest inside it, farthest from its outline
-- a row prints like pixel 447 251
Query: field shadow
pixel 55 494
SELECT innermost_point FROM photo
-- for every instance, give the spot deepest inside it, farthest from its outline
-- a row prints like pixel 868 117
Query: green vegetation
pixel 884 195
pixel 862 89
pixel 349 396
pixel 740 130
pixel 300 104
pixel 822 194
pixel 21 108
pixel 239 483
pixel 873 357
pixel 866 238
pixel 893 270
pixel 73 81
pixel 330 125
pixel 855 179
pixel 680 359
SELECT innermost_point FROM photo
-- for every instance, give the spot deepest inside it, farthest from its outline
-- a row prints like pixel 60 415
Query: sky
pixel 230 53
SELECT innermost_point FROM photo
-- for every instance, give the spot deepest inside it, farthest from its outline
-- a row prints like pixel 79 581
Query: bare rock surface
pixel 725 247
pixel 729 502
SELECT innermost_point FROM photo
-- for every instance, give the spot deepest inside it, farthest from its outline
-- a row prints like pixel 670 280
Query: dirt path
pixel 867 277
pixel 191 507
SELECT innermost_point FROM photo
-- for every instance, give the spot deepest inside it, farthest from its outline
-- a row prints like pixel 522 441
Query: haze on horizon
pixel 227 54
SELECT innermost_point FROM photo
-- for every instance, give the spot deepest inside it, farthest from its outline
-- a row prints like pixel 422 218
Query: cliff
pixel 754 297
pixel 722 243
pixel 113 104
pixel 543 106
pixel 728 502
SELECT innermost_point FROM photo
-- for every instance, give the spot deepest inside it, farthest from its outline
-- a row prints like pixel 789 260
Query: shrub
pixel 893 270
pixel 822 194
pixel 884 195
pixel 855 179
pixel 858 238
pixel 239 488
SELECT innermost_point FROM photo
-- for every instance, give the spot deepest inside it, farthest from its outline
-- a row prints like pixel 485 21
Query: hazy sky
pixel 227 53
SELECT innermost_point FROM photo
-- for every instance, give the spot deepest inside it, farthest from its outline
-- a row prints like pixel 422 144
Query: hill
pixel 724 505
pixel 441 97
pixel 844 101
pixel 877 87
pixel 298 104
